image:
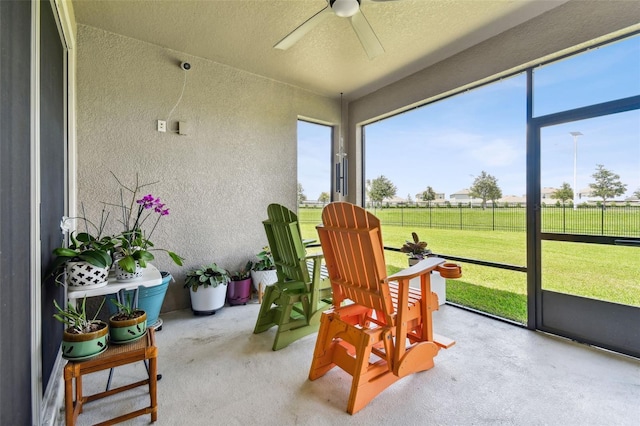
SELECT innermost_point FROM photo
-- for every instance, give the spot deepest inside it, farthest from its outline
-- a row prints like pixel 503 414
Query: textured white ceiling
pixel 329 59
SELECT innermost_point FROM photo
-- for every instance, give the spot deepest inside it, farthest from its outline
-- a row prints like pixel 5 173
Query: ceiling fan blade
pixel 367 37
pixel 294 36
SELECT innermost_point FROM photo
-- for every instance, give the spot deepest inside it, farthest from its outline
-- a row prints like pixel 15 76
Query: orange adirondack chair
pixel 386 333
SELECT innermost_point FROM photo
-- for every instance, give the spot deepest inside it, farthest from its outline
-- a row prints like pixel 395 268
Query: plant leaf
pixel 177 259
pixel 65 252
pixel 96 257
pixel 128 264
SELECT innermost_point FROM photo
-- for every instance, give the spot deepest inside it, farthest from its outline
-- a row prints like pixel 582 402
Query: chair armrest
pixel 308 241
pixel 420 268
pixel 314 257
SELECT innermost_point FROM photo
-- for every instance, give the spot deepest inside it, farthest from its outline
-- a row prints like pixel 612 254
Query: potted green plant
pixel 83 338
pixel 239 288
pixel 415 249
pixel 207 288
pixel 129 323
pixel 134 246
pixel 84 263
pixel 263 271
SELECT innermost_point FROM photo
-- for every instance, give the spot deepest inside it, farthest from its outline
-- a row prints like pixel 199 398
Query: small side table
pixel 116 355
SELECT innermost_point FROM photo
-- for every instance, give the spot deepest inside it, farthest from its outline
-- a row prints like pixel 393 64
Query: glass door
pixel 589 227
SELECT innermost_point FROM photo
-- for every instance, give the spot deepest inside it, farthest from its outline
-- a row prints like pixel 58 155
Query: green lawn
pixel 595 271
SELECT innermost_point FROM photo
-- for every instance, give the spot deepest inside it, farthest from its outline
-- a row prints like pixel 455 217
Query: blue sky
pixel 446 144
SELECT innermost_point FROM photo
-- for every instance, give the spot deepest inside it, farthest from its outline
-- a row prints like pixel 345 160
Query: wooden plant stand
pixel 116 355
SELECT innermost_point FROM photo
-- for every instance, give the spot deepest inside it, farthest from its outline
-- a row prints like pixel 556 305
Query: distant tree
pixel 367 190
pixel 381 188
pixel 324 198
pixel 409 199
pixel 486 188
pixel 637 193
pixel 607 184
pixel 564 193
pixel 301 197
pixel 428 195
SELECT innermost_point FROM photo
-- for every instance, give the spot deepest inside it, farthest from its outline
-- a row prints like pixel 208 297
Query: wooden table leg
pixel 68 398
pixel 153 387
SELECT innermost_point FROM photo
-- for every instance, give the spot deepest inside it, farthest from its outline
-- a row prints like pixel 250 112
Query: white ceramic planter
pixel 122 275
pixel 84 276
pixel 263 277
pixel 207 300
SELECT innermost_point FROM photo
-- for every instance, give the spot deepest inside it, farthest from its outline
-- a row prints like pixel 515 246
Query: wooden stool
pixel 116 355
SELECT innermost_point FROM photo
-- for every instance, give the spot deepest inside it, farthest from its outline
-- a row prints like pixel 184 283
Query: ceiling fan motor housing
pixel 345 8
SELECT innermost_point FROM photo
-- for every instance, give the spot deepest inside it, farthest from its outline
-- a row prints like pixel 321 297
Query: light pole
pixel 575 165
pixel 470 196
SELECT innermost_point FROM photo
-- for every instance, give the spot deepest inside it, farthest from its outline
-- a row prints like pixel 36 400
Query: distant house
pixel 462 195
pixel 394 201
pixel 546 193
pixel 439 196
pixel 438 200
pixel 585 194
pixel 512 200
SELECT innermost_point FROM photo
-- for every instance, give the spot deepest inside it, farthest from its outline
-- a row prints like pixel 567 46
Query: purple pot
pixel 239 292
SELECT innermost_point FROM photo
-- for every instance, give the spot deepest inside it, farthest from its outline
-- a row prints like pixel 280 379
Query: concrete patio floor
pixel 216 372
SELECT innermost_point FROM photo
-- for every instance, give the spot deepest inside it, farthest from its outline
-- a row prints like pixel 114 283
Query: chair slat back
pixel 285 242
pixel 352 245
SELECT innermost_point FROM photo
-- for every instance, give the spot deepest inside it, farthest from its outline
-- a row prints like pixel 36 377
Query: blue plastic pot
pixel 150 299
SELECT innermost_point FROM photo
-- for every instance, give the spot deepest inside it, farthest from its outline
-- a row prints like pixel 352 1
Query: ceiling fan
pixel 343 9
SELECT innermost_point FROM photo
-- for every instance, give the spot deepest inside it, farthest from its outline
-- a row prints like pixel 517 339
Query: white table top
pixel 150 277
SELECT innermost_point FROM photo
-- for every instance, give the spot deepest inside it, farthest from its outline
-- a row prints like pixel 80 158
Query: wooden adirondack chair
pixel 386 333
pixel 294 303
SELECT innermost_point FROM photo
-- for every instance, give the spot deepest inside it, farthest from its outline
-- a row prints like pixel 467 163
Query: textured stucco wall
pixel 569 27
pixel 239 156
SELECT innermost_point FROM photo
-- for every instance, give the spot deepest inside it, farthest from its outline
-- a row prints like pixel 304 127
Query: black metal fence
pixel 614 220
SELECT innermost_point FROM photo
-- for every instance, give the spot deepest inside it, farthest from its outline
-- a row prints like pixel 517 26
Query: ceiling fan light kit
pixel 345 8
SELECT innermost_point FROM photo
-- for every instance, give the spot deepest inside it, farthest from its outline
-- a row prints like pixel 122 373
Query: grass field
pixel 596 271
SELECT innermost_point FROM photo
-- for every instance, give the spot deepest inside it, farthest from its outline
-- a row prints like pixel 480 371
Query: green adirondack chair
pixel 296 301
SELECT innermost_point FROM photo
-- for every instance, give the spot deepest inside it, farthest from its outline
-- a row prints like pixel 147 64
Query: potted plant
pixel 134 246
pixel 129 323
pixel 207 288
pixel 416 249
pixel 150 300
pixel 85 262
pixel 263 271
pixel 83 338
pixel 239 288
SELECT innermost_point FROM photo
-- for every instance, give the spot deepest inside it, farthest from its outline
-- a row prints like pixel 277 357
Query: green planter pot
pixel 78 347
pixel 127 330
